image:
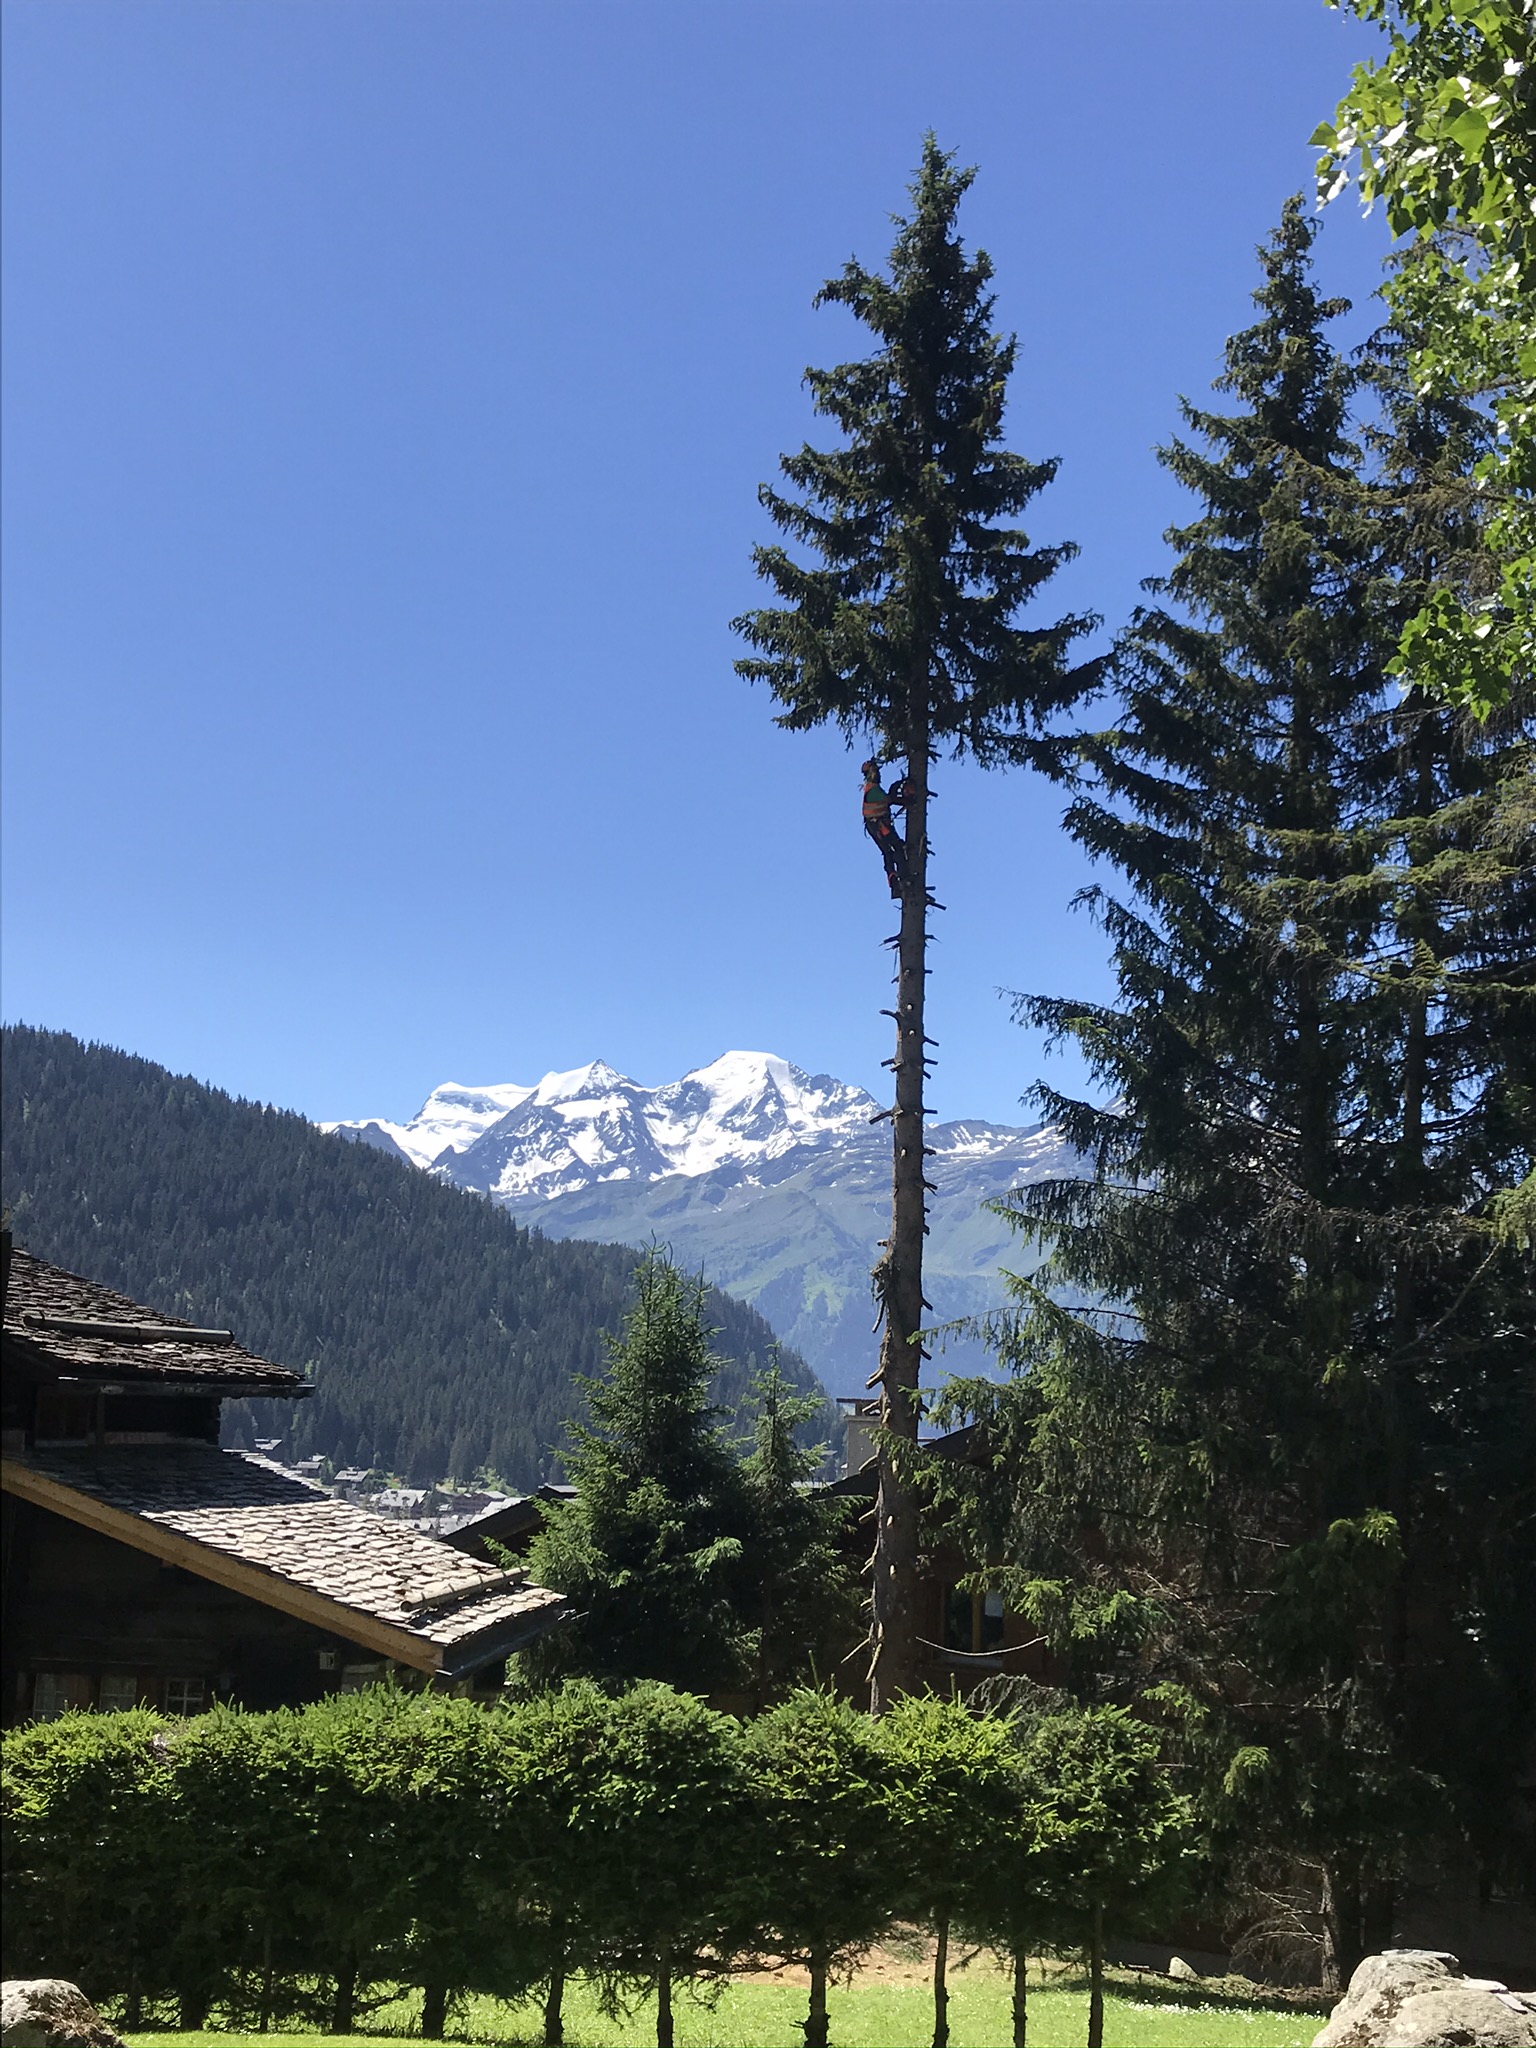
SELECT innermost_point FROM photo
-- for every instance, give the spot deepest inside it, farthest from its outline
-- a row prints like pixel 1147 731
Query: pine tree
pixel 1300 1423
pixel 650 1549
pixel 798 1599
pixel 905 637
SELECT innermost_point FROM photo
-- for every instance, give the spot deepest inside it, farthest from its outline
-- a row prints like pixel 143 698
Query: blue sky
pixel 387 386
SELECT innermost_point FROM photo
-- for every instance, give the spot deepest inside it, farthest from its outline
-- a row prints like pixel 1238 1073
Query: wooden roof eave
pixel 24 1348
pixel 383 1638
pixel 466 1657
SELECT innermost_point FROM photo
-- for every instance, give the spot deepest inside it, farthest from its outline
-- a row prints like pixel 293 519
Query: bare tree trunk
pixel 434 2009
pixel 664 2037
pixel 1020 1997
pixel 554 2002
pixel 898 1276
pixel 344 2004
pixel 264 2011
pixel 817 2026
pixel 1096 1979
pixel 941 1983
pixel 1343 1948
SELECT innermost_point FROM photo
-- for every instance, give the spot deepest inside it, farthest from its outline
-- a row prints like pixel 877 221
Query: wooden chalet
pixel 963 1635
pixel 141 1563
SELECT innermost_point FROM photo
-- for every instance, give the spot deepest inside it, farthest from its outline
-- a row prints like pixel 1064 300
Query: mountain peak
pixel 595 1078
pixel 590 1124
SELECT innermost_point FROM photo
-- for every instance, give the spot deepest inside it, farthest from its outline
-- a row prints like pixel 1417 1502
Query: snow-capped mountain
pixel 570 1130
pixel 771 1180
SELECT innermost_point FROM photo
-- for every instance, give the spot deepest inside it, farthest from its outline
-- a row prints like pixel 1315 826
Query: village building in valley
pixel 142 1563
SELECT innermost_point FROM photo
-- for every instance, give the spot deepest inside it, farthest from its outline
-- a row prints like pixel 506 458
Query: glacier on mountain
pixel 774 1182
pixel 593 1124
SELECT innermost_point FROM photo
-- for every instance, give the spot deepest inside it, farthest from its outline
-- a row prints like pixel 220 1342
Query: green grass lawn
pixel 889 2010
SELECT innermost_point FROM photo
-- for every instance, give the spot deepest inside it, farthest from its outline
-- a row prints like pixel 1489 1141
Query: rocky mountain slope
pixel 772 1180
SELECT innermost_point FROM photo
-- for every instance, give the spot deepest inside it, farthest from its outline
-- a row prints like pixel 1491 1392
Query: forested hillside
pixel 441 1336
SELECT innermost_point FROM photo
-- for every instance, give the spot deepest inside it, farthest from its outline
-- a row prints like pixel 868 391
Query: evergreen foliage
pixel 442 1337
pixel 952 1802
pixel 664 1863
pixel 650 1550
pixel 821 1781
pixel 799 1605
pixel 550 1751
pixel 682 1563
pixel 302 1866
pixel 905 636
pixel 1109 1836
pixel 1285 1470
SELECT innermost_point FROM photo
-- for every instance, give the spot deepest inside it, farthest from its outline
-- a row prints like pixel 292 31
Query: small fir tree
pixel 799 1600
pixel 952 1799
pixel 650 1550
pixel 820 1845
pixel 906 637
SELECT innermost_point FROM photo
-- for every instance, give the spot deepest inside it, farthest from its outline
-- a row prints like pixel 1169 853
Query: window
pixel 185 1695
pixel 957 1618
pixel 56 1692
pixel 992 1618
pixel 973 1622
pixel 117 1692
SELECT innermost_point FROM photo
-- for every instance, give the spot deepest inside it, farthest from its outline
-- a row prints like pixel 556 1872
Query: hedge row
pixel 285 1866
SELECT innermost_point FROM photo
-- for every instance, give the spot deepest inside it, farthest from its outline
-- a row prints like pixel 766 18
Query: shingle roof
pixel 427 1605
pixel 39 1297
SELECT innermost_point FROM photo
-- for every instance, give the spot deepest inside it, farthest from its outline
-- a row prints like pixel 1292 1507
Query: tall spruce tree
pixel 1299 1426
pixel 651 1548
pixel 905 636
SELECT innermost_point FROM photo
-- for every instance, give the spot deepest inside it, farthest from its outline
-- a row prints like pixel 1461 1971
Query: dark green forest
pixel 442 1337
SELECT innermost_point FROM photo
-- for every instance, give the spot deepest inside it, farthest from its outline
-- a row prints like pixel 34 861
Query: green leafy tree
pixel 666 1845
pixel 650 1550
pixel 85 1806
pixel 905 635
pixel 448 1840
pixel 353 1880
pixel 799 1602
pixel 1109 1837
pixel 242 1847
pixel 1442 129
pixel 551 1756
pixel 1260 1468
pixel 1011 1902
pixel 952 1799
pixel 821 1864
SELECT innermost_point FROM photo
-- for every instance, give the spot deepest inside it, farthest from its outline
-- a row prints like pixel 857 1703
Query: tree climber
pixel 878 824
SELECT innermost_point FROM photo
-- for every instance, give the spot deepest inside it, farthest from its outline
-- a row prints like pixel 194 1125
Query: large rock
pixel 48 2012
pixel 1419 1998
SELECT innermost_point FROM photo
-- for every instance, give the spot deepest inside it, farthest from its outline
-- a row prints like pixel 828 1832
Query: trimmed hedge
pixel 291 1865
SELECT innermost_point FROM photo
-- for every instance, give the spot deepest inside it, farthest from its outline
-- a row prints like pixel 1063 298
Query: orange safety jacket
pixel 877 803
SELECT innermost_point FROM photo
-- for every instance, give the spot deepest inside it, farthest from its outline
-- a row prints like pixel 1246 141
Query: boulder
pixel 1182 1972
pixel 1420 1998
pixel 48 2012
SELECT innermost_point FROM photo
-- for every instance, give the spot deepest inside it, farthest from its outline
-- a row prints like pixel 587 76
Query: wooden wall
pixel 84 1608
